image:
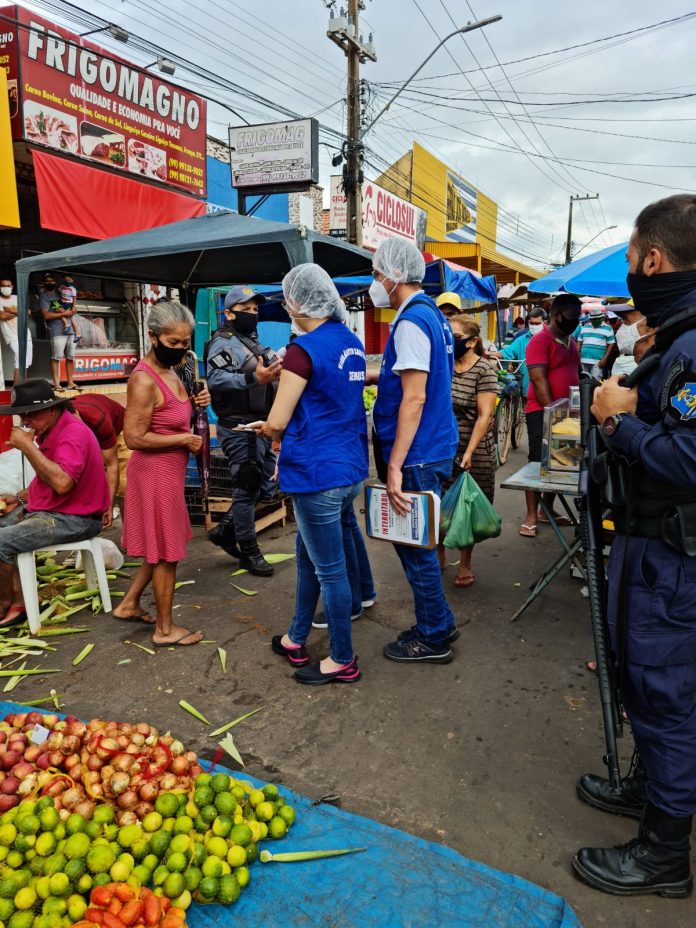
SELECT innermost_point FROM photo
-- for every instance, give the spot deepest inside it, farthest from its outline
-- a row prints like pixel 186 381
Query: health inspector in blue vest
pixel 415 433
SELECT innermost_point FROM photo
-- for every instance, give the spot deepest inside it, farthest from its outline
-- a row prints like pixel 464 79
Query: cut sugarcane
pixel 84 594
pixel 246 592
pixel 141 646
pixel 242 718
pixel 180 583
pixel 289 857
pixel 13 681
pixel 83 654
pixel 190 709
pixel 28 673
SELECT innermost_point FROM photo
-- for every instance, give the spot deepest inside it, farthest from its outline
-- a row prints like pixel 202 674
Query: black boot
pixel 657 861
pixel 252 560
pixel 629 800
pixel 223 536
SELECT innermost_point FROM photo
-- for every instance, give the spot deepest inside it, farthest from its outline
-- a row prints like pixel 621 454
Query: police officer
pixel 650 431
pixel 242 377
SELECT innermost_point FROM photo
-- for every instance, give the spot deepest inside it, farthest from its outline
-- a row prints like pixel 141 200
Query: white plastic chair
pixel 95 575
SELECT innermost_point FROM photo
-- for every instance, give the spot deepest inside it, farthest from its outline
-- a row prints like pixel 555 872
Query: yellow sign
pixel 9 205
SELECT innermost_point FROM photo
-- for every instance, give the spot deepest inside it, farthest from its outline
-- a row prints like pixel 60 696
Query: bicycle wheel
pixel 519 426
pixel 503 429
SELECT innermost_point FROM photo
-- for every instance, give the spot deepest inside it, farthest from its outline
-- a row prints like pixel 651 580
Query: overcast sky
pixel 279 49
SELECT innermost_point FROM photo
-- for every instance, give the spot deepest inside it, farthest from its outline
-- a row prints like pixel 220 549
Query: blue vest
pixel 437 435
pixel 325 443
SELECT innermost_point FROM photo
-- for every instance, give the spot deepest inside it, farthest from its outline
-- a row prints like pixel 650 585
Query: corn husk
pixel 83 654
pixel 293 856
pixel 192 711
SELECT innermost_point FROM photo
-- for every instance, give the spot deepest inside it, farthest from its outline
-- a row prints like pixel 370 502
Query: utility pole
pixel 569 240
pixel 344 30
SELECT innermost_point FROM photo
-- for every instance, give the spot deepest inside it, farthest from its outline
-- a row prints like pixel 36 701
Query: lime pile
pixel 196 845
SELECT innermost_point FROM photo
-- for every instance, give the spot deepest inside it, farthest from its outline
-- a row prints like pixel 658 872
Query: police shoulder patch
pixel 679 393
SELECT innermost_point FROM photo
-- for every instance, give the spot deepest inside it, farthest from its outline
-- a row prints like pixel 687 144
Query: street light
pixel 608 228
pixel 468 28
pixel 164 64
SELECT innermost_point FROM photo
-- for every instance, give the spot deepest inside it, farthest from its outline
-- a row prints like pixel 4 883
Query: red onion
pixel 21 770
pixel 180 766
pixel 43 762
pixel 128 800
pixel 34 718
pixel 94 762
pixel 8 802
pixel 85 808
pixel 126 817
pixel 9 786
pixel 142 809
pixel 32 753
pixel 56 758
pixel 10 758
pixel 119 783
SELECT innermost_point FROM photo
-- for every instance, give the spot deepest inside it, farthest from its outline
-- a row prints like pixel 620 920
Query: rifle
pixel 589 504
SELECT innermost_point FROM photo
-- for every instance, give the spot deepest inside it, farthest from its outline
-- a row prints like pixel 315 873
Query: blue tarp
pixel 600 274
pixel 399 880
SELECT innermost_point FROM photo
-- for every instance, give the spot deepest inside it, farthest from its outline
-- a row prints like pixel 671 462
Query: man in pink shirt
pixel 67 500
pixel 553 362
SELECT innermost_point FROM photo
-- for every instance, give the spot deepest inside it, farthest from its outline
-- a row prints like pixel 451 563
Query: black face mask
pixel 655 297
pixel 460 348
pixel 567 326
pixel 245 323
pixel 168 357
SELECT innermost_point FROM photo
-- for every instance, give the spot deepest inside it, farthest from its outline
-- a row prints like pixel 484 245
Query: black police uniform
pixel 652 570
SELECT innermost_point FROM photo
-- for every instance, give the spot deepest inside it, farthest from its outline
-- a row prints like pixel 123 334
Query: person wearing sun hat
pixel 67 499
pixel 449 304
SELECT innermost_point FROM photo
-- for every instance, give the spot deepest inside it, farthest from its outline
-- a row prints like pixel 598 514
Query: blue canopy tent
pixel 600 274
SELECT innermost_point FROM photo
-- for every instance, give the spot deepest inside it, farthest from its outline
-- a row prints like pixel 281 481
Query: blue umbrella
pixel 600 274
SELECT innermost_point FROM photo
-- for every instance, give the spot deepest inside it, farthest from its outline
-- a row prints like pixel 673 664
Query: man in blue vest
pixel 416 433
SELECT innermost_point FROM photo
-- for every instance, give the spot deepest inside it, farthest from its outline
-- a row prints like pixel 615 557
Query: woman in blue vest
pixel 319 418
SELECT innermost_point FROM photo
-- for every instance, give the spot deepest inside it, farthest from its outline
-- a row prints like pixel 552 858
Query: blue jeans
pixel 362 584
pixel 22 531
pixel 433 615
pixel 321 567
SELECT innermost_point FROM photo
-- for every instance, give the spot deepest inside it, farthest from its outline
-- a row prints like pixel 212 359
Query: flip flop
pixel 528 531
pixel 560 520
pixel 463 582
pixel 171 644
pixel 139 617
pixel 15 620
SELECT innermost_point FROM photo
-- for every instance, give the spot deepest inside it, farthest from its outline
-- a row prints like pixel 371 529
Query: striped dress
pixel 156 524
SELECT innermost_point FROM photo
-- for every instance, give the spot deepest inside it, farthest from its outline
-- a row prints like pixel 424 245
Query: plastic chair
pixel 95 574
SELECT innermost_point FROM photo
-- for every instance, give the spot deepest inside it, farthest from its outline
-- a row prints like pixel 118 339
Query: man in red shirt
pixel 104 417
pixel 553 362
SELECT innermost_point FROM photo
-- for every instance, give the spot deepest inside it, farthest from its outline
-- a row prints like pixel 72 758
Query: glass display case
pixel 561 451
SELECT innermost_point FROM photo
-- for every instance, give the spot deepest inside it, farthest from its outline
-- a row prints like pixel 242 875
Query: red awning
pixel 85 201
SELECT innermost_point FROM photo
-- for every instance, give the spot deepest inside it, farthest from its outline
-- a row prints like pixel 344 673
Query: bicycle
pixel 509 419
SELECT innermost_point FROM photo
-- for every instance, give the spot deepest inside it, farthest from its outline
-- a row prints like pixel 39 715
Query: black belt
pixel 233 421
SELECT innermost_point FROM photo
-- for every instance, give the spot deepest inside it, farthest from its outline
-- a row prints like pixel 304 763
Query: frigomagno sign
pixel 81 100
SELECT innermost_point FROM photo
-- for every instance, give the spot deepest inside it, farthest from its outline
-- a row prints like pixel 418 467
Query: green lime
pixel 77 846
pixel 109 831
pixel 252 853
pixel 177 862
pixel 6 910
pixel 24 843
pixel 48 818
pixel 60 884
pixel 159 842
pixel 183 825
pixel 270 791
pixel 22 877
pixel 84 884
pixel 74 869
pixel 243 876
pixel 151 862
pixel 225 803
pixel 265 811
pixel 174 885
pixel 120 872
pixel 129 834
pixel 93 829
pixel 8 888
pixel 103 814
pixel 203 796
pixel 141 848
pixel 240 834
pixel 159 876
pixel 212 866
pixel 152 822
pixel 221 783
pixel 179 845
pixel 21 920
pixel 287 813
pixel 208 888
pixel 100 879
pixel 144 874
pixel 37 864
pixel 74 823
pixel 218 848
pixel 222 825
pixel 199 824
pixel 256 796
pixel 28 824
pixel 167 804
pixel 77 907
pixel 229 890
pixel 236 856
pixel 277 827
pixel 198 855
pixel 209 814
pixel 54 905
pixel 192 878
pixel 183 900
pixel 203 779
pixel 43 887
pixel 100 858
pixel 238 792
pixel 55 864
pixel 14 860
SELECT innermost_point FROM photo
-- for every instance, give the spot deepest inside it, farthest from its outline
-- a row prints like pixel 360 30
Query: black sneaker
pixel 452 634
pixel 297 656
pixel 413 650
pixel 313 675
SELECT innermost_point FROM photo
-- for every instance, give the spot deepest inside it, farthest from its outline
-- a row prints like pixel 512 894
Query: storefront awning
pixel 85 201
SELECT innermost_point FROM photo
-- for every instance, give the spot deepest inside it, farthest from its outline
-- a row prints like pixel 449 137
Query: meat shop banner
pixel 69 94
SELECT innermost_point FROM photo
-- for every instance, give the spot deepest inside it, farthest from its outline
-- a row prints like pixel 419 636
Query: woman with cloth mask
pixel 157 428
pixel 319 418
pixel 474 392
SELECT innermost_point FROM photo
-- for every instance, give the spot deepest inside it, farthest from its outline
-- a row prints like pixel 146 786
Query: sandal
pixel 15 619
pixel 176 642
pixel 560 520
pixel 463 582
pixel 143 617
pixel 528 531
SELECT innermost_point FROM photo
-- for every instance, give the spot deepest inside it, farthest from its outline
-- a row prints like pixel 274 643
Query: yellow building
pixel 462 221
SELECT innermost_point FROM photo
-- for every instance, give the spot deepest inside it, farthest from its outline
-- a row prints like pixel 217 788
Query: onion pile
pixel 81 764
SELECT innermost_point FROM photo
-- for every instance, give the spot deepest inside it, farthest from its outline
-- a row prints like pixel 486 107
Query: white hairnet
pixel 313 293
pixel 400 261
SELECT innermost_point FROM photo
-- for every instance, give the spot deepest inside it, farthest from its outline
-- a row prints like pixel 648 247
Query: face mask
pixel 535 328
pixel 627 336
pixel 567 326
pixel 168 357
pixel 6 291
pixel 245 323
pixel 656 296
pixel 595 323
pixel 460 348
pixel 379 295
pixel 295 327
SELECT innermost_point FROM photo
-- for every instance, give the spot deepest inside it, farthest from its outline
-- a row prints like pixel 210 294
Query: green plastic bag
pixel 467 517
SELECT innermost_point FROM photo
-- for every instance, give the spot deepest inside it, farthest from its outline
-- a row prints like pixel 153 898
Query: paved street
pixel 481 754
